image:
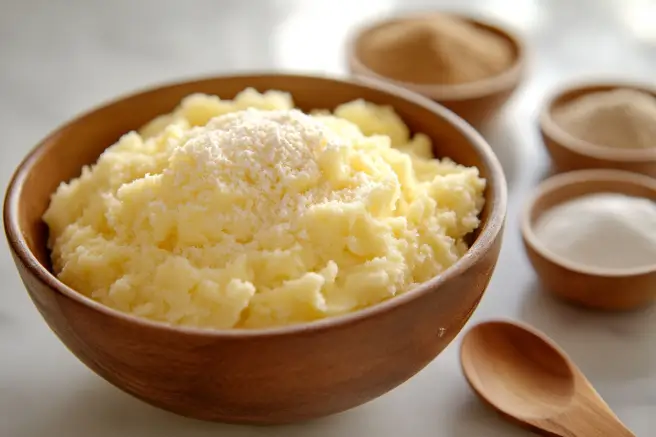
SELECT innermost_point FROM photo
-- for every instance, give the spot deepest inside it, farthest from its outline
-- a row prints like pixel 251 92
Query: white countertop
pixel 59 58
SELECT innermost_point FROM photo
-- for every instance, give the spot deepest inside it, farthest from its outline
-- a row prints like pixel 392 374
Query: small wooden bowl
pixel 594 288
pixel 477 101
pixel 253 376
pixel 570 153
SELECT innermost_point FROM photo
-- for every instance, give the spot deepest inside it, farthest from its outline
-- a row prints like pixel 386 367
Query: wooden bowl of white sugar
pixel 590 235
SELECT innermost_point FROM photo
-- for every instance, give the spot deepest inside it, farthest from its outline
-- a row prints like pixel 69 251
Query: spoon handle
pixel 590 418
pixel 585 427
pixel 609 424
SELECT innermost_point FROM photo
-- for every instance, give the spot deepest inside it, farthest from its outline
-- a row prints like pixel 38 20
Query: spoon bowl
pixel 540 383
pixel 526 377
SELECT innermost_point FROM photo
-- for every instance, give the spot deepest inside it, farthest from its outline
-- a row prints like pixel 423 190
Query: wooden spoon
pixel 525 376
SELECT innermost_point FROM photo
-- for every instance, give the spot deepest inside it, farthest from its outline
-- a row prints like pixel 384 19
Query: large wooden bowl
pixel 253 376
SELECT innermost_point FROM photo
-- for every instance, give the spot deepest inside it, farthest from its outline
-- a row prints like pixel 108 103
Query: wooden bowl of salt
pixel 590 237
pixel 601 125
pixel 470 65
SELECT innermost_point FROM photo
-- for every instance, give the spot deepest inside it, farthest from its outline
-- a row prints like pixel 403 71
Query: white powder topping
pixel 267 165
pixel 605 230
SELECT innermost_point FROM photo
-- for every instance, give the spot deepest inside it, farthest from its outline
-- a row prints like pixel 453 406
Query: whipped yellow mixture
pixel 249 214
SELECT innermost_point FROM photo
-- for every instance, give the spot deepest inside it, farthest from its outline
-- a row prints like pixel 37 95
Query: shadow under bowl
pixel 267 376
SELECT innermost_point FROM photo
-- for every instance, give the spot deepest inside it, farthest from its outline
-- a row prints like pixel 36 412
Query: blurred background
pixel 59 58
pixel 62 57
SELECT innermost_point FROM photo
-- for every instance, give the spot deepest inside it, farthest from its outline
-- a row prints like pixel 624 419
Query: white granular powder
pixel 603 230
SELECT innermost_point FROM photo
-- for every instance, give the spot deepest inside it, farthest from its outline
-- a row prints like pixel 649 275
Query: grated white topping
pixel 266 163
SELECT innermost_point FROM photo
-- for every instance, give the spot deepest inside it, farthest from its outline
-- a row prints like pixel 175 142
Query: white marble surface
pixel 59 58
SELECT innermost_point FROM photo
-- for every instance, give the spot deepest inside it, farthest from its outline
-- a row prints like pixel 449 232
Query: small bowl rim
pixel 485 240
pixel 564 139
pixel 561 181
pixel 458 92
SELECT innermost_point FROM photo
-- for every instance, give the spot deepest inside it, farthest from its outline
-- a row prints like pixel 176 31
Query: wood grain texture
pixel 262 376
pixel 530 381
pixel 569 153
pixel 476 102
pixel 599 290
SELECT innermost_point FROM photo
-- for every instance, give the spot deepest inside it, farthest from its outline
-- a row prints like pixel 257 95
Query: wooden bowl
pixel 476 102
pixel 253 376
pixel 593 288
pixel 570 153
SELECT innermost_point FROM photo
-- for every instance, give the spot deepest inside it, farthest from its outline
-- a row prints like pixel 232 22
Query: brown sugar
pixel 622 118
pixel 438 49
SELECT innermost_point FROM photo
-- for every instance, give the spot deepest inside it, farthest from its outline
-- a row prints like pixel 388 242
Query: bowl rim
pixel 561 181
pixel 485 240
pixel 459 92
pixel 564 139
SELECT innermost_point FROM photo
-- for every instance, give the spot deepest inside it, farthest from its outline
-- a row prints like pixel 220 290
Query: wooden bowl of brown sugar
pixel 470 65
pixel 601 125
